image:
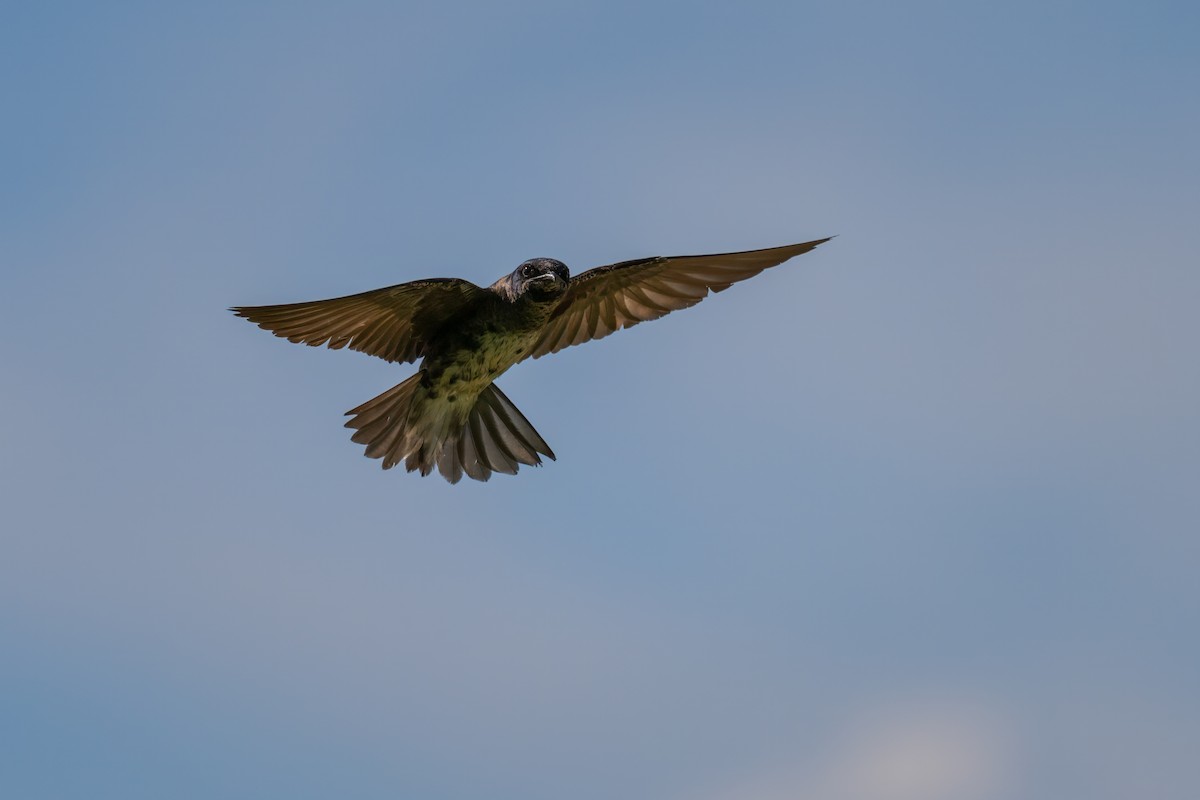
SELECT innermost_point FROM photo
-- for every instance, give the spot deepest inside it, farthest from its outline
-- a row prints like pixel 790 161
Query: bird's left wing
pixel 606 299
pixel 394 324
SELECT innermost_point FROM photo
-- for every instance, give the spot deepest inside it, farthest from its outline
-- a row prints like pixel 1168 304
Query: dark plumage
pixel 450 414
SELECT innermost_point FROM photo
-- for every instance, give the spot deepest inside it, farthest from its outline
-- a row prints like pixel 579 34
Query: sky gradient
pixel 911 517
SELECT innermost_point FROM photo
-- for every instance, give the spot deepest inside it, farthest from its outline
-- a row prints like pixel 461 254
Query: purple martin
pixel 449 414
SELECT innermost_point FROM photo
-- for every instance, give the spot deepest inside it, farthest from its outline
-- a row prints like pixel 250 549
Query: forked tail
pixel 404 424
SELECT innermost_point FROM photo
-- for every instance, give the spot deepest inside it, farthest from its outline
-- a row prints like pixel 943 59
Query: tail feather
pixel 494 454
pixel 382 422
pixel 518 435
pixel 405 425
pixel 448 462
pixel 468 455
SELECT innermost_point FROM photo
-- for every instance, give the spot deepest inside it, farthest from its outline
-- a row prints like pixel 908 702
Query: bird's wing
pixel 606 299
pixel 394 324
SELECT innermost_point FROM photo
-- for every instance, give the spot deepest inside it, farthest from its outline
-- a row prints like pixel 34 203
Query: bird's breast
pixel 467 369
pixel 483 347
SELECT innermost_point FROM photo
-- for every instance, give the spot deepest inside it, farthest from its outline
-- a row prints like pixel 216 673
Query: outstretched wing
pixel 394 324
pixel 606 299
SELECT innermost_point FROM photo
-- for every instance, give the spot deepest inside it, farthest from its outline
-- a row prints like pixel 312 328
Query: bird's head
pixel 542 278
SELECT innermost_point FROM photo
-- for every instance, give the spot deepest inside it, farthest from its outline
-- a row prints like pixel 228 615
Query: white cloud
pixel 932 749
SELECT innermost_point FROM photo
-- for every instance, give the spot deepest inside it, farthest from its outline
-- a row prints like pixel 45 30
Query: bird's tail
pixel 406 424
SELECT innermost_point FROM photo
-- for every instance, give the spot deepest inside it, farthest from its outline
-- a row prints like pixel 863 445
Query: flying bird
pixel 450 415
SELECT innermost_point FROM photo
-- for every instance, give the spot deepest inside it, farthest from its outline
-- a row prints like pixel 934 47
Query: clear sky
pixel 913 517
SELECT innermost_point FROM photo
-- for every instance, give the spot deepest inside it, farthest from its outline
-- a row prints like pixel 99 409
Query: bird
pixel 450 415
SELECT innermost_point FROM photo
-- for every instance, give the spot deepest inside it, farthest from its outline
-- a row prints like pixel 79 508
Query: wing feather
pixel 394 323
pixel 607 299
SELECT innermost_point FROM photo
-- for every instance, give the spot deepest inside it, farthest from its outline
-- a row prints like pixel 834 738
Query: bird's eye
pixel 528 271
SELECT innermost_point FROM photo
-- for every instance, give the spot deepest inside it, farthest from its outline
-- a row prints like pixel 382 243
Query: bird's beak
pixel 546 279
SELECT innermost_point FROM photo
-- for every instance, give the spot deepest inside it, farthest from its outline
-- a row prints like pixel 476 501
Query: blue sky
pixel 914 516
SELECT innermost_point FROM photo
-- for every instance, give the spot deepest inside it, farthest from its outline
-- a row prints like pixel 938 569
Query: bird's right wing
pixel 394 324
